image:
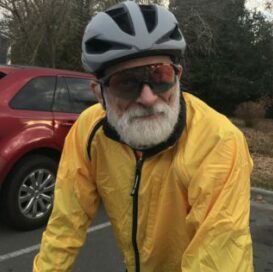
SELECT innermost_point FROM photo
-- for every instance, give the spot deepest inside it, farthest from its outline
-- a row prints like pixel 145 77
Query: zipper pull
pixel 138 172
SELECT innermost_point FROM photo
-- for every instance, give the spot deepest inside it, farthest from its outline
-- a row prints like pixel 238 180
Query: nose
pixel 147 97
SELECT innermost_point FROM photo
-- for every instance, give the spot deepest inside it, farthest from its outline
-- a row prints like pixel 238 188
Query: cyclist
pixel 172 173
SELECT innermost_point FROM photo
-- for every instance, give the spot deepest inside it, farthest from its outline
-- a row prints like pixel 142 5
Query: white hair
pixel 145 133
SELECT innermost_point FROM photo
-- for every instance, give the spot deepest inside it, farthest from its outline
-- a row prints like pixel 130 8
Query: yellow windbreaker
pixel 190 206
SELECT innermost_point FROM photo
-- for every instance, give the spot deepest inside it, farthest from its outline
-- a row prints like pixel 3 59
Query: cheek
pixel 170 96
pixel 119 106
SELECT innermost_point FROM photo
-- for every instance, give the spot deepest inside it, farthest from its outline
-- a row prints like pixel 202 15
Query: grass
pixel 260 142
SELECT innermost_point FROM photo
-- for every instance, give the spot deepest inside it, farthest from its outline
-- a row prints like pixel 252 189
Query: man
pixel 173 174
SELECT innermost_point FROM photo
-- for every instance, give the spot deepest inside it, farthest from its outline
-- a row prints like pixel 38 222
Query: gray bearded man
pixel 173 174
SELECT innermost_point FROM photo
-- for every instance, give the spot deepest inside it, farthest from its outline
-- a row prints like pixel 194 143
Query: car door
pixel 29 116
pixel 72 96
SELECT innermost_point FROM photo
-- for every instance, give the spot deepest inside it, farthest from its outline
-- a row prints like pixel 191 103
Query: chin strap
pixel 103 98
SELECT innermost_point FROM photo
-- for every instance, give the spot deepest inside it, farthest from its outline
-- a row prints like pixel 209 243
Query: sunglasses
pixel 128 84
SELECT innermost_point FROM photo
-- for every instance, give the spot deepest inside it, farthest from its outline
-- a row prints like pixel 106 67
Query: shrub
pixel 267 102
pixel 259 142
pixel 250 112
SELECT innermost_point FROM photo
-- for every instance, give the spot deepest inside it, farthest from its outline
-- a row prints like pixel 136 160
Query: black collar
pixel 110 132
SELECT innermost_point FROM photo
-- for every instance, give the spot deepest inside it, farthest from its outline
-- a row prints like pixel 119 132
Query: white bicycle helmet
pixel 127 31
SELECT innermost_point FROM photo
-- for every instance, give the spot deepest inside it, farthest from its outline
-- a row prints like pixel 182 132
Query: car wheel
pixel 28 192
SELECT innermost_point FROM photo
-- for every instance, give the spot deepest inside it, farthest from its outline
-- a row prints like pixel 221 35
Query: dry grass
pixel 260 141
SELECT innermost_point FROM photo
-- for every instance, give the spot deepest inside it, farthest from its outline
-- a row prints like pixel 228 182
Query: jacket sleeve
pixel 218 219
pixel 75 203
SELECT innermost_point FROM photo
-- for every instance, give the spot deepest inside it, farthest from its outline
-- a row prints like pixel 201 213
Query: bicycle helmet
pixel 128 30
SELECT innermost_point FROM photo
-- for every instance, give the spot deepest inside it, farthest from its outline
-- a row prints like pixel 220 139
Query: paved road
pixel 262 235
pixel 100 253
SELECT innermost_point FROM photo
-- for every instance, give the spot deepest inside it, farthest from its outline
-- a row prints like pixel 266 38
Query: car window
pixel 62 101
pixel 37 94
pixel 80 93
pixel 73 95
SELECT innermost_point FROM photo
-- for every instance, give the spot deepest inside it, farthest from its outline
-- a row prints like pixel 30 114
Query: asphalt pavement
pixel 261 225
pixel 100 252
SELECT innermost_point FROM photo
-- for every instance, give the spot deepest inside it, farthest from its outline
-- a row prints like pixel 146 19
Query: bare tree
pixel 33 26
pixel 39 29
pixel 201 20
pixel 49 32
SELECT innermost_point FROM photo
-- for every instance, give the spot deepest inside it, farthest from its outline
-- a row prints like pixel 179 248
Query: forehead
pixel 136 63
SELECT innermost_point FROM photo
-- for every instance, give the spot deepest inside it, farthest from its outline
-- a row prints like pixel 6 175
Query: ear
pixel 180 71
pixel 96 89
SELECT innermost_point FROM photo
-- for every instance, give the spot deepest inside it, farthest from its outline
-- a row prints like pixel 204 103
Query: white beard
pixel 140 133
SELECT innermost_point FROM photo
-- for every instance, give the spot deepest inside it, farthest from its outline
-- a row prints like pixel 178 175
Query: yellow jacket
pixel 193 197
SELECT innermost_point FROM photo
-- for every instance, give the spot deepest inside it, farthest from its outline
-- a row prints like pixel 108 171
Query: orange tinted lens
pixel 162 73
pixel 127 84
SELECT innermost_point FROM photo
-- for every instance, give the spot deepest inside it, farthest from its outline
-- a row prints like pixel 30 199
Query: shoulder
pixel 92 114
pixel 204 121
pixel 207 131
pixel 209 138
pixel 89 118
pixel 84 125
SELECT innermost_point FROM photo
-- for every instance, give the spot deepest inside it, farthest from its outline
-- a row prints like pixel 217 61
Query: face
pixel 146 116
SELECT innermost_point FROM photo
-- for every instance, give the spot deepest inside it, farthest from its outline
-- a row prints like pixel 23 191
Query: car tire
pixel 28 193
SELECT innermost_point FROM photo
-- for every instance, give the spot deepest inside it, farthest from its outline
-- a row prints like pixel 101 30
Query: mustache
pixel 141 111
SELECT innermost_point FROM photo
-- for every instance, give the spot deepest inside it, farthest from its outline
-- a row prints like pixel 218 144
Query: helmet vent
pixel 120 16
pixel 96 46
pixel 176 34
pixel 149 15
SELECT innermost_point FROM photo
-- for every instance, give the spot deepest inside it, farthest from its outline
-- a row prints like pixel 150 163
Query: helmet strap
pixel 103 98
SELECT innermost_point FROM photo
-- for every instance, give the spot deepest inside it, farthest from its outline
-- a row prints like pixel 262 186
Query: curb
pixel 261 195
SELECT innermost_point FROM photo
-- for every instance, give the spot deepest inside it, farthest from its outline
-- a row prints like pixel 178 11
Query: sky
pixel 260 6
pixel 255 3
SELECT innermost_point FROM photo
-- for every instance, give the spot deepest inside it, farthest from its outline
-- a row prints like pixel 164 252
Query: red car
pixel 37 108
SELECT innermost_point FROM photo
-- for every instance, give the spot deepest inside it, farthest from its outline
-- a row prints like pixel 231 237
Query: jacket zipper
pixel 134 194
